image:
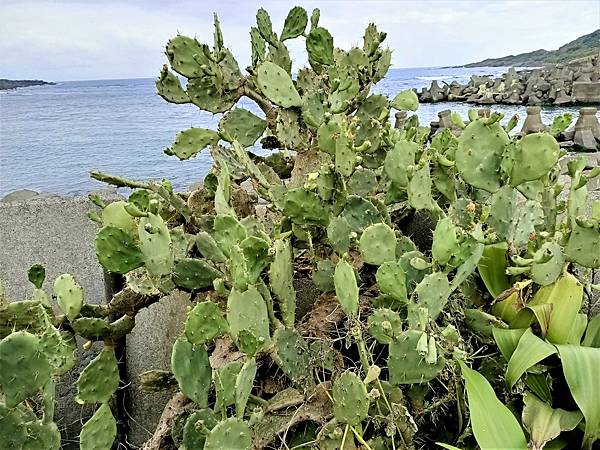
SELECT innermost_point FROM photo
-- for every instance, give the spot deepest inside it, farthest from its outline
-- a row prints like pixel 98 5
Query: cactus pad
pixel 197 427
pixel 247 311
pixel 243 126
pixel 338 234
pixel 192 371
pixel 228 232
pixel 295 23
pixel 533 156
pixel 117 251
pixel 25 369
pixel 346 289
pixel 292 355
pixel 319 45
pixel 188 143
pixel 183 54
pixel 169 87
pixel 100 378
pixel 209 248
pixel 281 277
pixel 192 273
pixel 244 382
pixel 305 207
pixel 583 246
pixel 69 295
pixel 378 244
pixel 204 323
pixel 392 280
pixel 432 293
pixel 397 161
pixel 230 433
pixel 407 365
pixel 384 325
pixel 350 399
pixel 405 100
pixel 277 85
pixel 100 431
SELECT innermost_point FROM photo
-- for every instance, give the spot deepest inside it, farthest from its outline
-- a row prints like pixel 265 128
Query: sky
pixel 108 39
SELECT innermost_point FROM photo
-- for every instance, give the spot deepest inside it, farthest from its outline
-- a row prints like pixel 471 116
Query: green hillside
pixel 586 45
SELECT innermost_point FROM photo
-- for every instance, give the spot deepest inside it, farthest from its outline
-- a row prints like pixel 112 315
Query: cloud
pixel 92 39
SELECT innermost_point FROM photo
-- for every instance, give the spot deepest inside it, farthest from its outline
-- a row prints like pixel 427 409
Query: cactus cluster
pixel 426 249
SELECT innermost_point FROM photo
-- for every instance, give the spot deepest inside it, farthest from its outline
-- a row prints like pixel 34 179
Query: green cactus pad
pixel 350 399
pixel 295 23
pixel 248 311
pixel 346 289
pixel 372 39
pixel 583 246
pixel 479 154
pixel 313 110
pixel 322 276
pixel 228 231
pixel 305 207
pixel 42 436
pixel 392 280
pixel 100 431
pixel 204 323
pixel 419 189
pixel 192 371
pixel 363 182
pixel 345 158
pixel 384 325
pixel 59 348
pixel 156 245
pixel 206 95
pixel 192 273
pixel 378 244
pixel 319 45
pixel 197 427
pixel 406 100
pixel 327 136
pixel 360 213
pixel 432 293
pixel 548 264
pixel 91 327
pixel 25 369
pixel 292 355
pixel 231 434
pixel 208 247
pixel 115 214
pixel 188 143
pixel 244 382
pixel 238 272
pixel 406 365
pixel 338 234
pixel 277 85
pixel 117 251
pixel 445 241
pixel 13 433
pixel 169 87
pixel 256 254
pixel 225 384
pixel 281 277
pixel 100 378
pixel 532 157
pixel 243 126
pixel 69 295
pixel 186 56
pixel 397 161
pixel 36 275
pixel 263 22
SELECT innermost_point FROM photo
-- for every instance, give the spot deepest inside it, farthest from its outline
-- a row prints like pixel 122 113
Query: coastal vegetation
pixel 455 274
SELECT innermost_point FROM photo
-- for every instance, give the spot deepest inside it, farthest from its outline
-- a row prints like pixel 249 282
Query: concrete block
pixel 56 233
pixel 149 347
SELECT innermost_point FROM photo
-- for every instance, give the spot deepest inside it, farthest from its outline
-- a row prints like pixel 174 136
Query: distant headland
pixel 13 84
pixel 583 46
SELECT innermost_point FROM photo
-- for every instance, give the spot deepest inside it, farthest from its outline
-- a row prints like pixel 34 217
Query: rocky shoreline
pixel 576 83
pixel 14 84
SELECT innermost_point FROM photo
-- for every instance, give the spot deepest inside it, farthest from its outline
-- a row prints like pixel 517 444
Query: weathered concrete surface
pixel 149 347
pixel 56 233
pixel 586 92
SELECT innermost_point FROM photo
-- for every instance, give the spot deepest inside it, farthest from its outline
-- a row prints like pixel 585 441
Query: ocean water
pixel 52 136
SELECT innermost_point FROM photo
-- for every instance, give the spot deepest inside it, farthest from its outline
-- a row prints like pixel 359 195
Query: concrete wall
pixel 56 233
pixel 586 92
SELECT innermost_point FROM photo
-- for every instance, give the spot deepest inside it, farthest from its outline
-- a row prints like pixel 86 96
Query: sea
pixel 52 136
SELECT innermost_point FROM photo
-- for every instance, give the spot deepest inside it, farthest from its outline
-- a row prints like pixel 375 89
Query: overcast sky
pixel 101 39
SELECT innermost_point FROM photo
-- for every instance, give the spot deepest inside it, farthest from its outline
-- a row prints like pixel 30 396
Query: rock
pixel 400 119
pixel 18 196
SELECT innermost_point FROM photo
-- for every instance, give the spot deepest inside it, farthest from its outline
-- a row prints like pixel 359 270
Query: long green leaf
pixel 507 340
pixel 494 426
pixel 580 366
pixel 492 268
pixel 592 334
pixel 530 350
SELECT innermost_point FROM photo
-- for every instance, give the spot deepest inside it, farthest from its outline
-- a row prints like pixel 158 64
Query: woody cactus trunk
pixel 455 273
